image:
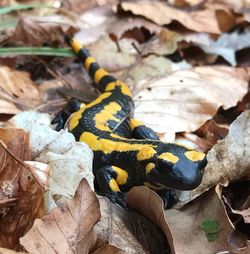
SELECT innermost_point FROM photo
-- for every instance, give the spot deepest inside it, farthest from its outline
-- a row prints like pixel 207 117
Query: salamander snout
pixel 180 172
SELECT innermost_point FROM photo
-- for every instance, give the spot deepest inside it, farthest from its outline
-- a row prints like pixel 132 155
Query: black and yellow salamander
pixel 126 152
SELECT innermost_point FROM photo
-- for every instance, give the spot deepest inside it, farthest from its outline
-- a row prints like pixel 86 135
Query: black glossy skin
pixel 184 174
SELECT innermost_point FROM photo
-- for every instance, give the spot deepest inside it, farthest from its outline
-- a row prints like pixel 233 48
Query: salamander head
pixel 177 167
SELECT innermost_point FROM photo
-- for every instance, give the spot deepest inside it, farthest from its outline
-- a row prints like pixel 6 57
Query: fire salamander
pixel 126 152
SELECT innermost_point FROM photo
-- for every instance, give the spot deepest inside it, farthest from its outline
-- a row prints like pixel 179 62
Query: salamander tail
pixel 104 81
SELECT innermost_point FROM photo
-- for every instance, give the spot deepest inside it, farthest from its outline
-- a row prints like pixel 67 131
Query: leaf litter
pixel 160 57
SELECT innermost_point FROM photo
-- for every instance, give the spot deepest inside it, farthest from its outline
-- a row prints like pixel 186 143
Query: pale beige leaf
pixel 207 20
pixel 68 228
pixel 184 100
pixel 182 227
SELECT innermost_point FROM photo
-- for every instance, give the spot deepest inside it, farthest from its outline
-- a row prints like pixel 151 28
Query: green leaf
pixel 212 236
pixel 40 51
pixel 211 227
pixel 8 9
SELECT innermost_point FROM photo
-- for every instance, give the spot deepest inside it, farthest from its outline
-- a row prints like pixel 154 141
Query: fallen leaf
pixel 68 160
pixel 105 49
pixel 229 158
pixel 108 249
pixel 8 251
pixel 226 46
pixel 208 20
pixel 182 227
pixel 17 90
pixel 211 132
pixel 67 228
pixel 41 171
pixel 78 6
pixel 237 198
pixel 28 32
pixel 128 230
pixel 20 194
pixel 122 25
pixel 8 107
pixel 185 99
pixel 164 43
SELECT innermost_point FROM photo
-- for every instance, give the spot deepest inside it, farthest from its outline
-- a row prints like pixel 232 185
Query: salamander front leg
pixel 62 116
pixel 108 179
pixel 168 197
pixel 140 131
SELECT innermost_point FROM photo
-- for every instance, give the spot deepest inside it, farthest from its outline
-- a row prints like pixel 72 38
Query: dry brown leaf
pixel 226 45
pixel 8 107
pixel 123 25
pixel 207 20
pixel 79 6
pixel 186 99
pixel 20 195
pixel 128 230
pixel 237 6
pixel 211 132
pixel 164 43
pixel 182 227
pixel 108 249
pixel 237 198
pixel 17 91
pixel 8 251
pixel 105 49
pixel 229 159
pixel 31 33
pixel 68 228
pixel 244 213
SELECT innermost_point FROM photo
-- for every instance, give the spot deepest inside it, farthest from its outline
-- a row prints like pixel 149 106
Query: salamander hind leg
pixel 108 180
pixel 140 131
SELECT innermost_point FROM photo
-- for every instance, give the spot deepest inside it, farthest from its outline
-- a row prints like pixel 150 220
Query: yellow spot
pixel 98 100
pixel 124 89
pixel 134 123
pixel 88 62
pixel 99 74
pixel 168 157
pixel 194 155
pixel 146 153
pixel 150 166
pixel 106 114
pixel 113 135
pixel 75 117
pixel 151 186
pixel 76 45
pixel 107 145
pixel 113 185
pixel 122 175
